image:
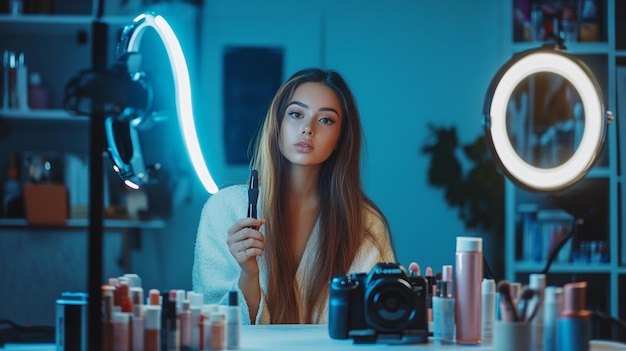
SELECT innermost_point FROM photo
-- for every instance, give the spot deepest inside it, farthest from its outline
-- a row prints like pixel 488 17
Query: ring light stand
pixel 552 181
pixel 547 59
pixel 118 101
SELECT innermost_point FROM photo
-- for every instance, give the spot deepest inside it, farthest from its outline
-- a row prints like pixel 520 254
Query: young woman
pixel 314 222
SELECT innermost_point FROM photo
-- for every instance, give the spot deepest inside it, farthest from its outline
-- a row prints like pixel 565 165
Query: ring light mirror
pixel 545 119
pixel 130 43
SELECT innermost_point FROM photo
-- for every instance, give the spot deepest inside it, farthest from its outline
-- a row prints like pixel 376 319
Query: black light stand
pixel 96 190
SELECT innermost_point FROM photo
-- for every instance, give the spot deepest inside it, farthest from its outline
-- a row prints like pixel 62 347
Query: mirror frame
pixel 549 60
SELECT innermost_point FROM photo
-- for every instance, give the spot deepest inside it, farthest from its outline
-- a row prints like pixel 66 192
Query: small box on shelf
pixel 46 204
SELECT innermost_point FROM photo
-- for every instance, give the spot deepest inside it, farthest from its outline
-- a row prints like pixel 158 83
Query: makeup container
pixel 136 296
pixel 179 297
pixel 432 287
pixel 107 317
pixel 443 313
pixel 185 327
pixel 205 325
pixel 152 328
pixel 574 324
pixel 217 331
pixel 489 308
pixel 134 281
pixel 126 306
pixel 21 76
pixel 233 321
pixel 195 306
pixel 468 274
pixel 552 306
pixel 121 331
pixel 537 282
pixel 170 326
pixel 511 336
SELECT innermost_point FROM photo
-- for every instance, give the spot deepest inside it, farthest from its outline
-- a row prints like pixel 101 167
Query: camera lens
pixel 389 304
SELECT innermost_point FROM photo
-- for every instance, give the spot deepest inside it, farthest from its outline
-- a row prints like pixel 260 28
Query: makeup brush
pixel 524 300
pixel 537 307
pixel 508 311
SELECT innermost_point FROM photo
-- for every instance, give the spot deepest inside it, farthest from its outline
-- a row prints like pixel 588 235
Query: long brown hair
pixel 341 202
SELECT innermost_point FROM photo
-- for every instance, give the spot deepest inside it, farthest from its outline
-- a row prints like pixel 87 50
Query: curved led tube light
pixel 595 119
pixel 130 43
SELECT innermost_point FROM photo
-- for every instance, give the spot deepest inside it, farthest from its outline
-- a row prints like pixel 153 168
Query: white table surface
pixel 315 337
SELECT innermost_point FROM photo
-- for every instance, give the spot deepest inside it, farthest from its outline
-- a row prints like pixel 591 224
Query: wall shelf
pixel 534 267
pixel 43 114
pixel 84 223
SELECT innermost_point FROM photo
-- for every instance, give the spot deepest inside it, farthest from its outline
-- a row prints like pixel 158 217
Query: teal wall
pixel 408 62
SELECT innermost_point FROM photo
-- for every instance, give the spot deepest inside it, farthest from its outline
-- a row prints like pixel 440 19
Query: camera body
pixel 386 305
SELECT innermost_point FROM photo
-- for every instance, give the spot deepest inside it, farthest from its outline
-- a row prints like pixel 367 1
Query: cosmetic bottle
pixel 170 326
pixel 536 282
pixel 121 331
pixel 179 297
pixel 205 325
pixel 217 331
pixel 468 274
pixel 125 305
pixel 185 326
pixel 574 324
pixel 443 313
pixel 21 77
pixel 552 306
pixel 489 309
pixel 152 327
pixel 233 321
pixel 195 306
pixel 6 55
pixel 133 280
pixel 38 96
pixel 107 317
pixel 138 323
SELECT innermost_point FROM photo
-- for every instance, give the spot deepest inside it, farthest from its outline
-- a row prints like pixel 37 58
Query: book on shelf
pixel 541 231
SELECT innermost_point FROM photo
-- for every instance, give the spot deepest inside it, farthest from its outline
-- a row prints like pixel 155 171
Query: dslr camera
pixel 386 305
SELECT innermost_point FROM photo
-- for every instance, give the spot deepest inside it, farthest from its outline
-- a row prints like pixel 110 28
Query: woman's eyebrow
pixel 303 105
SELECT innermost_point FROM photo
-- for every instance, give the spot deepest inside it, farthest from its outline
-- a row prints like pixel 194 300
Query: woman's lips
pixel 304 146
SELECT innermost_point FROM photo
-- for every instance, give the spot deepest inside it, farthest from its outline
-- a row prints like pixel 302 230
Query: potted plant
pixel 471 183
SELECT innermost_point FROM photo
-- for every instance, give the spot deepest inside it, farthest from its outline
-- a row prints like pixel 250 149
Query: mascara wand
pixel 253 194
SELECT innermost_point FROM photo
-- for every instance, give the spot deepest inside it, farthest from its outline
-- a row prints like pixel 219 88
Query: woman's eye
pixel 294 114
pixel 326 120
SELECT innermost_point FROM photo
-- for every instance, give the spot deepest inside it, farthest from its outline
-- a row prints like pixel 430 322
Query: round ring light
pixel 520 67
pixel 130 41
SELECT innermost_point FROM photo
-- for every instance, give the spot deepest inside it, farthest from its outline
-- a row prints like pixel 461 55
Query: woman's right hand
pixel 245 243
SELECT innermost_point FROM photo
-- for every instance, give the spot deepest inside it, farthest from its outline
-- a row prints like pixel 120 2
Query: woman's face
pixel 311 125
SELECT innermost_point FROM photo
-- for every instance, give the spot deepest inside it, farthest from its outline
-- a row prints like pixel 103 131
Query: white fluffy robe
pixel 216 272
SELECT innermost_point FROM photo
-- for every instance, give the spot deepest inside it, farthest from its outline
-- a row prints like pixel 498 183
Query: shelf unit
pixel 603 185
pixel 58 46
